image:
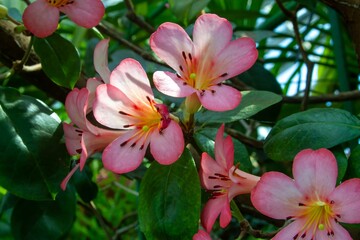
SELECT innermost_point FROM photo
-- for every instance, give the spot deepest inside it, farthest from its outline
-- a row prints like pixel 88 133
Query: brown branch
pixel 244 139
pixel 12 49
pixel 109 30
pixel 341 97
pixel 309 65
pixel 136 19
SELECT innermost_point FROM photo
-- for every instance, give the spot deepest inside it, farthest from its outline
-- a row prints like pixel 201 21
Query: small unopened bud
pixel 3 11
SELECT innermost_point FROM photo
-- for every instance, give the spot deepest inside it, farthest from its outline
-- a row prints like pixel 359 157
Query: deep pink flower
pixel 311 200
pixel 202 235
pixel 223 180
pixel 128 103
pixel 42 16
pixel 203 64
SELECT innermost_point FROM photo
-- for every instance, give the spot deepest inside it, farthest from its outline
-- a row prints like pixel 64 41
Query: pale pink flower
pixel 203 64
pixel 223 180
pixel 127 103
pixel 42 16
pixel 311 199
pixel 202 235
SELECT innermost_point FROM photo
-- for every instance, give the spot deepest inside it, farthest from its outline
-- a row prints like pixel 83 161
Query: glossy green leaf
pixel 86 188
pixel 44 219
pixel 169 200
pixel 32 159
pixel 315 128
pixel 205 141
pixel 252 102
pixel 186 10
pixel 59 59
pixel 353 170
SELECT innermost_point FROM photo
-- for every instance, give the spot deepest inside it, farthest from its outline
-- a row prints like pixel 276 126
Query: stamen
pixel 213 91
pixel 178 75
pixel 79 150
pixel 128 125
pixel 181 68
pixel 124 143
pixel 190 57
pixel 184 55
pixel 212 177
pixel 223 75
pixel 124 113
pixel 295 237
pixel 301 205
pixel 133 145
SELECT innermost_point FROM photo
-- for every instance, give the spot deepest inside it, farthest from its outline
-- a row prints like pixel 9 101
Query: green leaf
pixel 59 59
pixel 315 128
pixel 86 188
pixel 252 102
pixel 32 159
pixel 44 219
pixel 169 200
pixel 205 141
pixel 187 9
pixel 353 170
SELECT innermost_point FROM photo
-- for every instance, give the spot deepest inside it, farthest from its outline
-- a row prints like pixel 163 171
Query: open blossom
pixel 127 103
pixel 223 180
pixel 42 16
pixel 81 136
pixel 203 64
pixel 311 200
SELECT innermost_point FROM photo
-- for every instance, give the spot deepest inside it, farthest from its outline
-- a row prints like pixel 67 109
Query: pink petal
pixel 85 13
pixel 315 172
pixel 346 199
pixel 41 18
pixel 235 58
pixel 220 98
pixel 76 105
pixel 167 147
pixel 101 60
pixel 202 235
pixel 244 182
pixel 131 79
pixel 339 232
pixel 92 84
pixel 169 42
pixel 72 139
pixel 95 143
pixel 224 149
pixel 213 208
pixel 208 168
pixel 126 158
pixel 206 27
pixel 108 102
pixel 65 181
pixel 169 84
pixel 291 230
pixel 276 196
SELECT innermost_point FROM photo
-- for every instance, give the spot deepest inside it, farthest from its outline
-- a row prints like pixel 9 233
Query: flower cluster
pixel 118 115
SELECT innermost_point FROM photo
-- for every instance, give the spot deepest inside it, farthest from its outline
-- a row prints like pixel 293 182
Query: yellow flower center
pixel 60 3
pixel 318 216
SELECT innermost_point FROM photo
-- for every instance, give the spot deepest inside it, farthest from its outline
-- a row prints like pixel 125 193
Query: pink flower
pixel 204 63
pixel 127 103
pixel 223 180
pixel 81 136
pixel 202 235
pixel 311 200
pixel 42 16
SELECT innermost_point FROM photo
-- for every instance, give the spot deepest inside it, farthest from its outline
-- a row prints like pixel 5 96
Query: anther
pixel 212 177
pixel 223 75
pixel 301 205
pixel 190 57
pixel 79 150
pixel 295 237
pixel 304 235
pixel 181 68
pixel 124 143
pixel 133 145
pixel 184 55
pixel 178 75
pixel 213 91
pixel 124 113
